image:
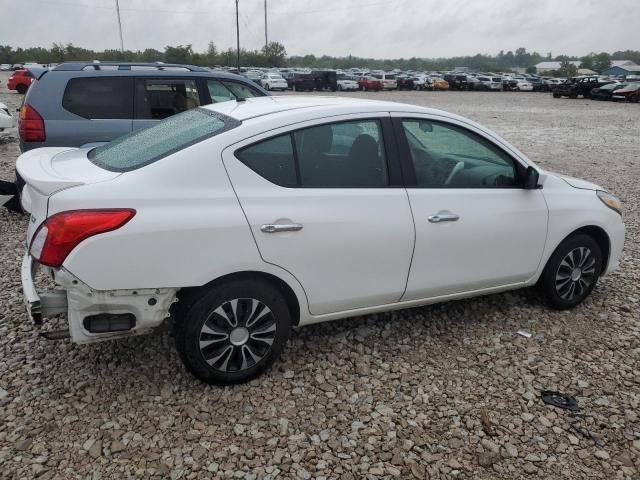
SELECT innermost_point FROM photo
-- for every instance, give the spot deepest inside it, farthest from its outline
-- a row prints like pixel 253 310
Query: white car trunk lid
pixel 50 170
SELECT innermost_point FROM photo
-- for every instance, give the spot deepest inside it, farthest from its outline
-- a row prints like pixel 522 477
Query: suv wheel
pixel 572 272
pixel 233 332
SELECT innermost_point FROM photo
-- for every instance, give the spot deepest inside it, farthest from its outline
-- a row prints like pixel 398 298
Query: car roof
pixel 129 69
pixel 262 106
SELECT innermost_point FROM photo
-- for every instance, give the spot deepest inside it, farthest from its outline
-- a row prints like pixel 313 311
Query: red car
pixel 20 81
pixel 629 93
pixel 369 83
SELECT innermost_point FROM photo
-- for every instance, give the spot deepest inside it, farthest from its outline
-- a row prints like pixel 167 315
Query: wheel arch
pixel 600 236
pixel 188 295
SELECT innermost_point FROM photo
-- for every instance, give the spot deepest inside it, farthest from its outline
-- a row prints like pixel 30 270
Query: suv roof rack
pixel 80 66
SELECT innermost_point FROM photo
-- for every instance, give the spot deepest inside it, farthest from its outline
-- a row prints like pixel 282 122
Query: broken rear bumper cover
pixel 91 313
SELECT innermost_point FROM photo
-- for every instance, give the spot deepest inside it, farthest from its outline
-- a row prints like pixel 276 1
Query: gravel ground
pixel 446 391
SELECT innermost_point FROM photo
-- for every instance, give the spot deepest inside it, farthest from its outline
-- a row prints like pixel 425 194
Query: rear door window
pixel 335 155
pixel 148 145
pixel 158 98
pixel 99 97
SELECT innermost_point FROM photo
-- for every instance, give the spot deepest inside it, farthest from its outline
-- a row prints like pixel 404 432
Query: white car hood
pixel 579 183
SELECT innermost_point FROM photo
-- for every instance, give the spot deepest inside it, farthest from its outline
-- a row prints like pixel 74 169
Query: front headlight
pixel 610 201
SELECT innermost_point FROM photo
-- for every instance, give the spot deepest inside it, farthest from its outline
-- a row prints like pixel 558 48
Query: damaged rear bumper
pixel 94 315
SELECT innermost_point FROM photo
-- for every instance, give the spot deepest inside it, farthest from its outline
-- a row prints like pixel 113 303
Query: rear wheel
pixel 233 332
pixel 21 89
pixel 572 272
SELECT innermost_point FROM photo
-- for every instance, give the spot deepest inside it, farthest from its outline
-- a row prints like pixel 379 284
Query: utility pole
pixel 120 26
pixel 238 36
pixel 266 32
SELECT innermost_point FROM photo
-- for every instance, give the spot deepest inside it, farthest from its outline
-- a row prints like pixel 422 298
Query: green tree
pixel 601 62
pixel 587 61
pixel 211 56
pixel 532 70
pixel 179 54
pixel 275 54
pixel 567 69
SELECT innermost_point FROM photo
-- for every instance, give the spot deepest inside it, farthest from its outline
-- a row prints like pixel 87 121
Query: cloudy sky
pixel 371 28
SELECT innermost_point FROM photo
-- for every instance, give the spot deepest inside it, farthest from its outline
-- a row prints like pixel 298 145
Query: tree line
pixel 275 55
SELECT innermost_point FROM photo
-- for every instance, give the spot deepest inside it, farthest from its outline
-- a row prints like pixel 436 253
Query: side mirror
pixel 531 178
pixel 426 127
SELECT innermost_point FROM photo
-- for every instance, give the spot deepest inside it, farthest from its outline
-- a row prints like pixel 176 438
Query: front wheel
pixel 233 332
pixel 21 89
pixel 572 272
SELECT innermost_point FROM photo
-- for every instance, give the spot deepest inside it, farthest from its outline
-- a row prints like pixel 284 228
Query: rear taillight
pixel 62 232
pixel 31 125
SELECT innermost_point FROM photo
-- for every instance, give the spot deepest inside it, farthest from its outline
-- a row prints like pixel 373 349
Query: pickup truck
pixel 578 86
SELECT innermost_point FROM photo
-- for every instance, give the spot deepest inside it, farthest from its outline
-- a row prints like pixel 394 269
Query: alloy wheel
pixel 237 334
pixel 575 273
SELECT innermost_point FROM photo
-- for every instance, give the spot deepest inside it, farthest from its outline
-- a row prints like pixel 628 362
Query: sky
pixel 366 28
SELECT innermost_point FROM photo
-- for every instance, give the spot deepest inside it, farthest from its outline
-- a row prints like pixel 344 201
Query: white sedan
pixel 6 119
pixel 347 85
pixel 524 86
pixel 240 220
pixel 273 81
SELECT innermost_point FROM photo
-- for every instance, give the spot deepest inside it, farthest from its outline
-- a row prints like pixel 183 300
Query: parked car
pixel 536 83
pixel 346 83
pixel 440 84
pixel 20 80
pixel 573 87
pixel 629 93
pixel 509 84
pixel 274 81
pixel 254 76
pixel 6 119
pixel 549 84
pixel 127 230
pixel 524 86
pixel 325 80
pixel 457 81
pixel 389 81
pixel 61 107
pixel 300 82
pixel 605 92
pixel 423 82
pixel 368 82
pixel 488 84
pixel 5 67
pixel 405 83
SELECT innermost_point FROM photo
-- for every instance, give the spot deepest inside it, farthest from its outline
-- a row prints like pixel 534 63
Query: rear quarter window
pixel 168 136
pixel 99 97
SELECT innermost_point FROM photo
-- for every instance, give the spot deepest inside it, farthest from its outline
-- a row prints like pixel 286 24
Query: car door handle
pixel 443 217
pixel 283 227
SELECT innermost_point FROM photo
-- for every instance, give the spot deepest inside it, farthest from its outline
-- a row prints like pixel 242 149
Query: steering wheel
pixel 454 171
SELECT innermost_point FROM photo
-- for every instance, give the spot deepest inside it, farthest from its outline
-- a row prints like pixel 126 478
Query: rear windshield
pixel 171 135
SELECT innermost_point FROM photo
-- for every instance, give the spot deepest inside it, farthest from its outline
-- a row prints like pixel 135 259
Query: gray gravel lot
pixel 398 395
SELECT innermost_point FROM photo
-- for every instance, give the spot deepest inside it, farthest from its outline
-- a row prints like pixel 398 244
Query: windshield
pixel 376 76
pixel 171 135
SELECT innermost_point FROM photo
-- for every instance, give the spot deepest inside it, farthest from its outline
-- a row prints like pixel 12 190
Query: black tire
pixel 273 326
pixel 561 284
pixel 556 95
pixel 21 89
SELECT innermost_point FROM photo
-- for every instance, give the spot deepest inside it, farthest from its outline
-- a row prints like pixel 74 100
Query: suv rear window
pixel 99 97
pixel 171 135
